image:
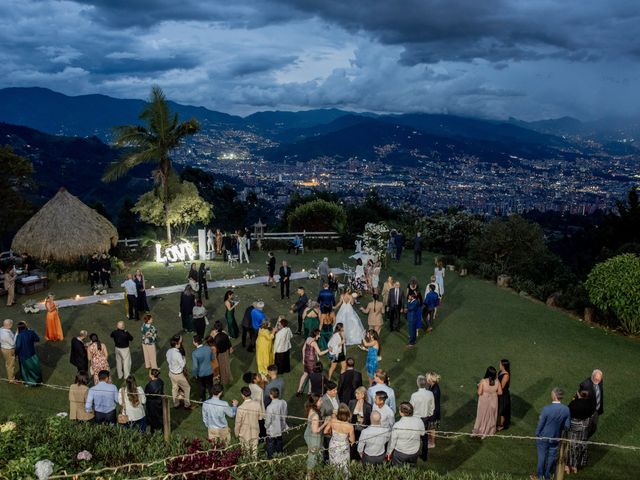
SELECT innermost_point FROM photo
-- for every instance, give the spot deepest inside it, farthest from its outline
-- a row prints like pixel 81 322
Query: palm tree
pixel 152 144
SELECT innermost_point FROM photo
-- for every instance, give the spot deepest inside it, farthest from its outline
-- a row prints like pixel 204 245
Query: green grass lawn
pixel 478 324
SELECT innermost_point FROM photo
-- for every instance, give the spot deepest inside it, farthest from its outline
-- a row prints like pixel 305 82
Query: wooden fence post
pixel 562 455
pixel 166 419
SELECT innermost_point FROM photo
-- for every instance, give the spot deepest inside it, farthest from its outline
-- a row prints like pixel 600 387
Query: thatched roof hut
pixel 65 229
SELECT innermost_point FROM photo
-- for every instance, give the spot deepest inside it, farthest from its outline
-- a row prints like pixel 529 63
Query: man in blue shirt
pixel 102 399
pixel 201 368
pixel 215 413
pixel 431 302
pixel 554 418
pixel 257 316
pixel 326 299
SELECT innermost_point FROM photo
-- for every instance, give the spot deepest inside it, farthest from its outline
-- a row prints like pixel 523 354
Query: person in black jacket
pixel 202 282
pixel 350 380
pixel 105 271
pixel 247 328
pixel 187 302
pixel 78 356
pixel 153 390
pixel 299 307
pixel 417 249
pixel 93 268
pixel 594 385
pixel 271 270
pixel 285 279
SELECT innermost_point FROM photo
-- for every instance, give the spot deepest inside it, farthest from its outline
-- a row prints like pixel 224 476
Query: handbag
pixel 123 418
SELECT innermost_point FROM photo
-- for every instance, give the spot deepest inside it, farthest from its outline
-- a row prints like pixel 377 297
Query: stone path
pixel 152 292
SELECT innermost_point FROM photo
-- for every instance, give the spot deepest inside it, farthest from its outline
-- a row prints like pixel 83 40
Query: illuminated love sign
pixel 175 253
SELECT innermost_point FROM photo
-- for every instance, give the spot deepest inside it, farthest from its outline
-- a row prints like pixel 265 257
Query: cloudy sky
pixel 530 59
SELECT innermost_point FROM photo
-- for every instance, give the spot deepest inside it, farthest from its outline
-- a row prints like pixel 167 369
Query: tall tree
pixel 152 143
pixel 15 183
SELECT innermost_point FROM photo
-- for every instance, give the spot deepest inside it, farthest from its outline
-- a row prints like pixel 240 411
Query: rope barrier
pixel 442 434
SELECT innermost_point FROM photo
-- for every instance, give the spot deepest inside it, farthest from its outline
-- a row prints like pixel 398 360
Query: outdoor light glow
pixel 77 297
pixel 175 253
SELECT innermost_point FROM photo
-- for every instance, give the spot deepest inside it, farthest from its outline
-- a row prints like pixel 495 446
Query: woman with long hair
pixel 581 408
pixel 230 304
pixel 360 415
pixel 372 344
pixel 313 432
pixel 98 357
pixel 131 398
pixel 342 437
pixel 310 354
pixel 433 422
pixel 30 369
pixel 488 390
pixel 53 331
pixel 337 350
pixel 141 299
pixel 153 393
pixel 78 393
pixel 149 334
pixel 374 311
pixel 264 347
pixel 199 316
pixel 187 302
pixel 504 400
pixel 192 277
pixel 220 341
pixel 354 332
pixel 311 318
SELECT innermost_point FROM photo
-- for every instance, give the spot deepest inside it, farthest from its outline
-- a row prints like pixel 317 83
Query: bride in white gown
pixel 353 330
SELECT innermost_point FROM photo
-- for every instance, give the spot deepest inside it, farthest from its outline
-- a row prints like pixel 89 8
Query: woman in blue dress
pixel 372 343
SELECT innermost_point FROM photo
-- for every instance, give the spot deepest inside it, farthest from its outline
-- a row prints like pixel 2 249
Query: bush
pixel 614 288
pixel 295 468
pixel 60 439
pixel 210 456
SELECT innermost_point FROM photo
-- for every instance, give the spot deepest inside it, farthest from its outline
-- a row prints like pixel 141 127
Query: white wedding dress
pixel 353 329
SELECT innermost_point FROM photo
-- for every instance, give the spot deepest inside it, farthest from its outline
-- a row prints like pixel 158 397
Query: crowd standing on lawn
pixel 348 418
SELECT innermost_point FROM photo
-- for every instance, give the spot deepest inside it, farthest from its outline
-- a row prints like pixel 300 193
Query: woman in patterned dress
pixel 98 354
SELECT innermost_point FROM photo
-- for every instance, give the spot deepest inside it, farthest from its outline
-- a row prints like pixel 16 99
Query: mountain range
pixel 65 137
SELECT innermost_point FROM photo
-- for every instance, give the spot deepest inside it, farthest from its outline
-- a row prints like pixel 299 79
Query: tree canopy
pixel 318 216
pixel 152 143
pixel 16 179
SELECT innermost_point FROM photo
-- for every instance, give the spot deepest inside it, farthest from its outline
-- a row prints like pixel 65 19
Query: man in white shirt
pixel 215 413
pixel 275 422
pixel 424 404
pixel 380 385
pixel 373 441
pixel 387 417
pixel 8 347
pixel 177 364
pixel 405 441
pixel 132 293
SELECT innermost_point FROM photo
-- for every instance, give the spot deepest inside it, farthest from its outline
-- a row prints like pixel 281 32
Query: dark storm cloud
pixel 249 65
pixel 497 58
pixel 462 30
pixel 147 13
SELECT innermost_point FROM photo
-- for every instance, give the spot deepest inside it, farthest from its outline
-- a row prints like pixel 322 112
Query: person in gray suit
pixel 554 418
pixel 395 305
pixel 328 408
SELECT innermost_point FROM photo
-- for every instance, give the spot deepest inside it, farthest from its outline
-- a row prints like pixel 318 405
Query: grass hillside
pixel 478 324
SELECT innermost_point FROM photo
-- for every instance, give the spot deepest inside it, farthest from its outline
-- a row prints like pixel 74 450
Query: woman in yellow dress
pixel 53 331
pixel 265 355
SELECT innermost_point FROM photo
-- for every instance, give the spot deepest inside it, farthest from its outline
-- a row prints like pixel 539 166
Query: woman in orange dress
pixel 53 332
